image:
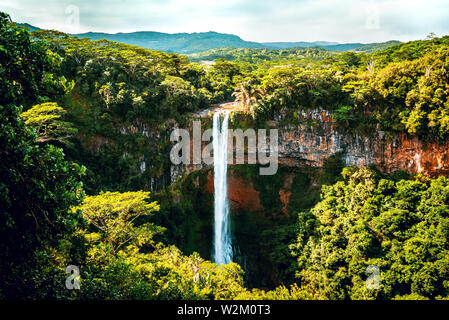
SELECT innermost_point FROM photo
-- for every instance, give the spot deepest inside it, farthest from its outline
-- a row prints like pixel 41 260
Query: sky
pixel 253 20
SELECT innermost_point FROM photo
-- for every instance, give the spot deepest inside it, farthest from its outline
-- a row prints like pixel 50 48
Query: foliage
pixel 332 167
pixel 402 88
pixel 123 93
pixel 46 120
pixel 121 101
pixel 111 215
pixel 126 100
pixel 124 262
pixel 38 184
pixel 29 72
pixel 262 56
pixel 398 226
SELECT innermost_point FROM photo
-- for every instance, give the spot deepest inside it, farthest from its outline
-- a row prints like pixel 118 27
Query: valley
pixel 361 180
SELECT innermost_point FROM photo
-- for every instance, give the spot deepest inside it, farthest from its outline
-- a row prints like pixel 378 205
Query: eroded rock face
pixel 307 144
pixel 242 194
pixel 312 145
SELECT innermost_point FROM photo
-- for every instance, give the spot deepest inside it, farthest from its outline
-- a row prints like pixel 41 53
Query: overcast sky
pixel 252 20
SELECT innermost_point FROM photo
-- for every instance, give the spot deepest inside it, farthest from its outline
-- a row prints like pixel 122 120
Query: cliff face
pixel 309 142
pixel 314 139
pixel 261 204
pixel 256 206
pixel 242 194
pixel 312 145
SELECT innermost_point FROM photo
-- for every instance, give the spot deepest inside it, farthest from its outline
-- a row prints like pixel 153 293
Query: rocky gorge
pixel 260 204
pixel 316 137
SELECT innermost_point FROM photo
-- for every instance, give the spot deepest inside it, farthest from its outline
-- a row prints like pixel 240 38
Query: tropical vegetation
pixel 80 117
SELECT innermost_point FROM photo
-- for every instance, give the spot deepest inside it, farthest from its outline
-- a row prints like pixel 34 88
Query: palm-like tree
pixel 247 94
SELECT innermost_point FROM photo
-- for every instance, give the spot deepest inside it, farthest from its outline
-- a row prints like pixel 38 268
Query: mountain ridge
pixel 188 43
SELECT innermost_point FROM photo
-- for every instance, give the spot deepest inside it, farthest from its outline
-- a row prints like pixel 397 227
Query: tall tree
pixel 45 118
pixel 38 186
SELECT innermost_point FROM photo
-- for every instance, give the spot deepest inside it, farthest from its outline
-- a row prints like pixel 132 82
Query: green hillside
pixel 177 42
pixel 188 43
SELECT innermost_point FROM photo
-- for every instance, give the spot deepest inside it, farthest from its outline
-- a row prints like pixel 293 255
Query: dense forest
pixel 79 116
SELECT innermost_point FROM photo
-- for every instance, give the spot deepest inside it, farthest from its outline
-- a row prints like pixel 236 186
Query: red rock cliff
pixel 312 145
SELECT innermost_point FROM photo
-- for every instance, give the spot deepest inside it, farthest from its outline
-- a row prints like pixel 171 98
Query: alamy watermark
pixel 373 280
pixel 73 281
pixel 72 18
pixel 260 149
pixel 372 21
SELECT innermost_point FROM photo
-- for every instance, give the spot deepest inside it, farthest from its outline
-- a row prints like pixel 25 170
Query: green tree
pixel 398 226
pixel 46 120
pixel 125 262
pixel 38 186
pixel 111 216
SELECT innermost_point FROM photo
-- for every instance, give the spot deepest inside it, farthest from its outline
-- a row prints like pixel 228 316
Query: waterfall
pixel 222 253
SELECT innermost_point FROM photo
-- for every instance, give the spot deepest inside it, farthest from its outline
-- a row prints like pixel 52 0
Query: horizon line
pixel 212 31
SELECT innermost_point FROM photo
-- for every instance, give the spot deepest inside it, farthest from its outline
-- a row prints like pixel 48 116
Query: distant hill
pixel 371 47
pixel 333 46
pixel 188 43
pixel 178 42
pixel 255 55
pixel 288 45
pixel 28 26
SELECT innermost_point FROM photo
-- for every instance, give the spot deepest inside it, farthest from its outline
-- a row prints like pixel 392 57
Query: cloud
pixel 256 20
